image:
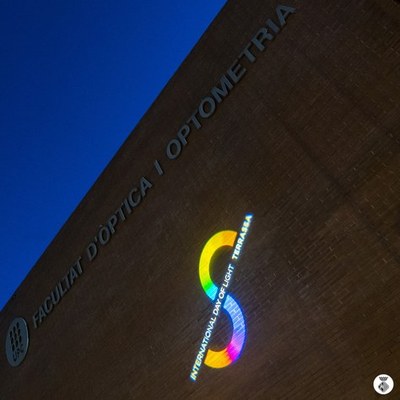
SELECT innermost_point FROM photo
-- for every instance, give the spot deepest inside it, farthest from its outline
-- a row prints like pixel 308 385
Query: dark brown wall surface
pixel 308 141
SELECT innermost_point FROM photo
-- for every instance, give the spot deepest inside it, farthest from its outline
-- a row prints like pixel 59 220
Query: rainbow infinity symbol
pixel 221 359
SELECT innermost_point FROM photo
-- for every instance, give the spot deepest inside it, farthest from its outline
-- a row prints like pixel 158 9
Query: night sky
pixel 75 79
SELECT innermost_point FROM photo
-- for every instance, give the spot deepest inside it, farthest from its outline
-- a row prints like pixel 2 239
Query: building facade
pixel 244 241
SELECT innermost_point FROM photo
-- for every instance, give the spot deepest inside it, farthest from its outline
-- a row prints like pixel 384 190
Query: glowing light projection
pixel 221 299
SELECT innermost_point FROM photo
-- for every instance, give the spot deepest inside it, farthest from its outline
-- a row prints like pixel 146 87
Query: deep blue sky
pixel 75 78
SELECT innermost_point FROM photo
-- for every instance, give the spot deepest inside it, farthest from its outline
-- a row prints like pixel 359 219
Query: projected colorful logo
pixel 221 299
